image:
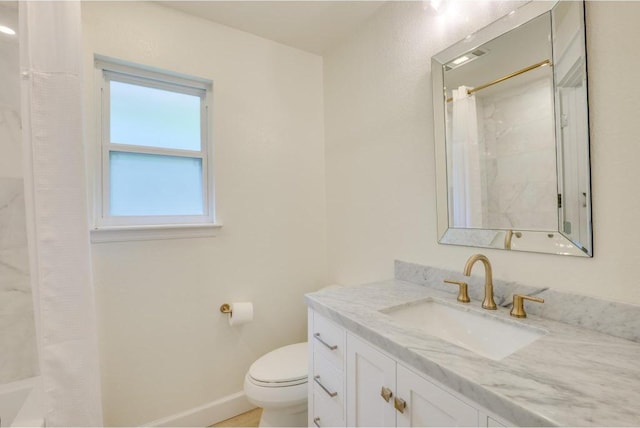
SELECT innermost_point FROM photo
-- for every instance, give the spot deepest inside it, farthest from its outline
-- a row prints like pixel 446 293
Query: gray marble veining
pixel 614 318
pixel 18 356
pixel 571 376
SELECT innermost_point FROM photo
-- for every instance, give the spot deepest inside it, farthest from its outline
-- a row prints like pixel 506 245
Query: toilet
pixel 277 382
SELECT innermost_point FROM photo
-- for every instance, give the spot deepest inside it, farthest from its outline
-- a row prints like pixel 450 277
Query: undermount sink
pixel 483 334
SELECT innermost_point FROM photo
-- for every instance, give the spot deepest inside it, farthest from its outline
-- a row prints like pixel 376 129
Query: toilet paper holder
pixel 238 313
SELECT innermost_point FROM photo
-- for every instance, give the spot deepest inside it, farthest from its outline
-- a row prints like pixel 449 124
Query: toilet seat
pixel 283 367
pixel 277 384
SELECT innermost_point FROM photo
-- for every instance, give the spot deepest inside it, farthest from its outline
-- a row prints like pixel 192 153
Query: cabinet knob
pixel 386 393
pixel 399 404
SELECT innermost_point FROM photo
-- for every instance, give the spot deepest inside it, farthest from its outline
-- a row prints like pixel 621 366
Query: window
pixel 155 153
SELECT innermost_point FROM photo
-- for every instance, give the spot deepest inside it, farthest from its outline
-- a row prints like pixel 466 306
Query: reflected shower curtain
pixel 55 196
pixel 466 178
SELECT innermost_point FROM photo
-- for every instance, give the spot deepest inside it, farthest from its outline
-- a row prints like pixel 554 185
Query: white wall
pixel 380 159
pixel 164 346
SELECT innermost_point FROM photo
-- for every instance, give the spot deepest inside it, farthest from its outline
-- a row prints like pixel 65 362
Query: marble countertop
pixel 569 377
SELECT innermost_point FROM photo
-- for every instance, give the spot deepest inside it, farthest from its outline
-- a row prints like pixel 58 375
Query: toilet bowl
pixel 277 382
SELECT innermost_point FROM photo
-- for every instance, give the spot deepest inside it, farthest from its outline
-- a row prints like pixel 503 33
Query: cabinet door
pixel 368 371
pixel 429 405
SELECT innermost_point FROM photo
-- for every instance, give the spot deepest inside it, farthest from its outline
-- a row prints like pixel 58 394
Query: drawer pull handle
pixel 331 347
pixel 400 404
pixel 331 394
pixel 316 422
pixel 386 393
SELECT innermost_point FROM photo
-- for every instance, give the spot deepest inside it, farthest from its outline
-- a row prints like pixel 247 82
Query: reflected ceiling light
pixel 467 57
pixel 438 5
pixel 7 30
pixel 460 60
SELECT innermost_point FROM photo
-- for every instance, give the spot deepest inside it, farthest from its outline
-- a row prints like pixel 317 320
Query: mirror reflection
pixel 500 133
pixel 572 123
pixel 513 159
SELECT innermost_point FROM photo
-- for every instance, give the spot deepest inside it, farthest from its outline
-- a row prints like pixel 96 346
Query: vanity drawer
pixel 328 383
pixel 324 414
pixel 329 340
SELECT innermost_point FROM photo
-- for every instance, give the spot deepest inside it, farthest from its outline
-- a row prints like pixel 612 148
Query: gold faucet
pixel 518 305
pixel 509 237
pixel 463 295
pixel 488 302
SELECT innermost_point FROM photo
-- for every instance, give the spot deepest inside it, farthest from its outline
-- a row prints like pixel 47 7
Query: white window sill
pixel 153 232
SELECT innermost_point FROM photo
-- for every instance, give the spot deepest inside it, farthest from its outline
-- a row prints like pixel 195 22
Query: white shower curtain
pixel 466 177
pixel 55 196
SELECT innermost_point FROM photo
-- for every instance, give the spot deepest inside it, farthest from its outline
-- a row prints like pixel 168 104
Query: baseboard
pixel 207 414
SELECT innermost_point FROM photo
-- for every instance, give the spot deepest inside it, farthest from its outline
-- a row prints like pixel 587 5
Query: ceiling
pixel 313 26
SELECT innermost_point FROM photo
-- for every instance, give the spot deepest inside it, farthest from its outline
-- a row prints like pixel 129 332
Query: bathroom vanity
pixel 370 366
pixel 356 383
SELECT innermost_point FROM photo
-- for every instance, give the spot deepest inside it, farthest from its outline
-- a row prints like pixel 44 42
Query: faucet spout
pixel 488 302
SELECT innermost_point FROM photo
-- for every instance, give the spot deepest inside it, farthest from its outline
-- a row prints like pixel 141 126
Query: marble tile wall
pixel 18 359
pixel 18 355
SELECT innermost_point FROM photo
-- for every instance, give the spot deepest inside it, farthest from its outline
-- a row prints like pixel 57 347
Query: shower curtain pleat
pixel 467 192
pixel 56 201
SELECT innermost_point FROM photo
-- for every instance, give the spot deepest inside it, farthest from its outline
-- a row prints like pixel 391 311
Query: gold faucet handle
pixel 518 305
pixel 463 295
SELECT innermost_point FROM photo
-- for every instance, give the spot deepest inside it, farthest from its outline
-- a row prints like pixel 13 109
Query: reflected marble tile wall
pixel 520 160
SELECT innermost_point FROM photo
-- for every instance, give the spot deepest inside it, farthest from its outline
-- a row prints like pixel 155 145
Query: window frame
pixel 107 70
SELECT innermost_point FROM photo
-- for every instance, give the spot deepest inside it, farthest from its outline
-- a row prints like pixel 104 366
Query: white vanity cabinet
pixel 352 383
pixel 372 377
